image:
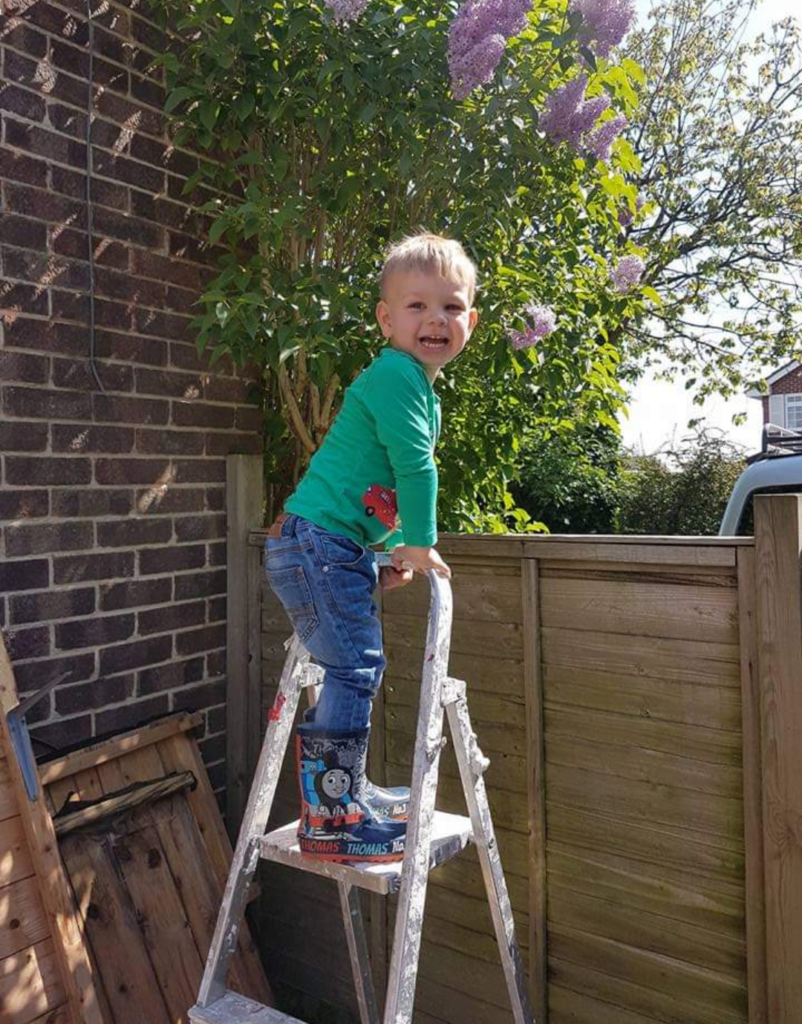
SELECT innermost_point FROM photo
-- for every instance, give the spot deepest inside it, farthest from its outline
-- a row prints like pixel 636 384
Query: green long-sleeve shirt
pixel 379 451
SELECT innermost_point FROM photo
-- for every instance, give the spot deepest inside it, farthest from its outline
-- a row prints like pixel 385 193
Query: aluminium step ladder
pixel 432 838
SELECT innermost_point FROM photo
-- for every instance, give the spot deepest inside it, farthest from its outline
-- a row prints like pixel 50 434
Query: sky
pixel 660 411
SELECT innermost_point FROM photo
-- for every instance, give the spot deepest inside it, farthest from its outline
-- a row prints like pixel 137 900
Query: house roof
pixel 773 378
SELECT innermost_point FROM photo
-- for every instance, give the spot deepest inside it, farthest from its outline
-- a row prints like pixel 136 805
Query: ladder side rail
pixel 254 822
pixel 403 971
pixel 471 765
pixel 358 952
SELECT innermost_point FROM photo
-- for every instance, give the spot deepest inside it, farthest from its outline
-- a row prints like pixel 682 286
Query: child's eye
pixel 416 305
pixel 455 308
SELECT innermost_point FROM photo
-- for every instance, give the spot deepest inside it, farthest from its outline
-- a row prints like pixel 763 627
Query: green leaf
pixel 208 111
pixel 244 105
pixel 183 92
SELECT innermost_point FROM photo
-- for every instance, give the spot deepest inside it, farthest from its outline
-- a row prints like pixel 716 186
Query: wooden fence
pixel 641 703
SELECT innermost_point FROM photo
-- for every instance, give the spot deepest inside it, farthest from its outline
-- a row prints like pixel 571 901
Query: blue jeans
pixel 325 582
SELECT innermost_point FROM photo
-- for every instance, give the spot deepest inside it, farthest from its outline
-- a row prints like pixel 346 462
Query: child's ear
pixel 383 316
pixel 473 319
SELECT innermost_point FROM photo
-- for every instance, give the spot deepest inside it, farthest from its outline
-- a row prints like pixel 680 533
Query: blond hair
pixel 429 252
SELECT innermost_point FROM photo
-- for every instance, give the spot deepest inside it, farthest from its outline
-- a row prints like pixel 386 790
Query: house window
pixel 793 412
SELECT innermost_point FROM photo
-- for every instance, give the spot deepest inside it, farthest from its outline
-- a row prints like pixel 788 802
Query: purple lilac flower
pixel 477 37
pixel 542 322
pixel 627 273
pixel 346 10
pixel 568 115
pixel 604 23
pixel 601 139
pixel 625 215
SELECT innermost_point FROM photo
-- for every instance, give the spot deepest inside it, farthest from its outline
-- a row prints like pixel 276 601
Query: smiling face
pixel 428 316
pixel 335 783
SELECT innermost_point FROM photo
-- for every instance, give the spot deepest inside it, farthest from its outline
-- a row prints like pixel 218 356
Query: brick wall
pixel 790 384
pixel 112 535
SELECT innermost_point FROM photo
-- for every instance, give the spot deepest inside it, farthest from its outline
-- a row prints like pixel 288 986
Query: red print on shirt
pixel 382 503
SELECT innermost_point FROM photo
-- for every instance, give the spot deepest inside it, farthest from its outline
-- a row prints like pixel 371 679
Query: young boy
pixel 372 480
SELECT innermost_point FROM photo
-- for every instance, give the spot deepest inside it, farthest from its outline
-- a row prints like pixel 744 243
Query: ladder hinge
pixel 453 690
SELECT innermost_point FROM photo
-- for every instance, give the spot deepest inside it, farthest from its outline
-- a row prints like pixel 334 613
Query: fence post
pixel 778 545
pixel 244 511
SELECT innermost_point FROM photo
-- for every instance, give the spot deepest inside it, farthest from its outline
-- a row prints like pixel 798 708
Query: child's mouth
pixel 432 342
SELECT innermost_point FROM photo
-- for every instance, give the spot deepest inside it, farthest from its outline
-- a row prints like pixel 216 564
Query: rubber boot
pixel 388 803
pixel 335 823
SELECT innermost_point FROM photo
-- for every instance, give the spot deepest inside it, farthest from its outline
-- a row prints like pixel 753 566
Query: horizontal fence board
pixel 484 598
pixel 714 709
pixel 409 631
pixel 23 920
pixel 567 1007
pixel 685 551
pixel 690 661
pixel 685 575
pixel 499 739
pixel 483 707
pixel 640 609
pixel 505 772
pixel 454 1006
pixel 15 860
pixel 488 674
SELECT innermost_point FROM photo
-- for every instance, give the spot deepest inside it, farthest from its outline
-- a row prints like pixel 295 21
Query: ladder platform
pixel 451 833
pixel 236 1009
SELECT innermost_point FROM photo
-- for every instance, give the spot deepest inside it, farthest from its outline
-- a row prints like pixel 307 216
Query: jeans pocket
pixel 334 549
pixel 291 588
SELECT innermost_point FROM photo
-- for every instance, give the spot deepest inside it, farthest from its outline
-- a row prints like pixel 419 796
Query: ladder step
pixel 451 833
pixel 236 1009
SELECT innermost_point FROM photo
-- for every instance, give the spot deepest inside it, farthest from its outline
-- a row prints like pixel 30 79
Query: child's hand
pixel 419 559
pixel 390 577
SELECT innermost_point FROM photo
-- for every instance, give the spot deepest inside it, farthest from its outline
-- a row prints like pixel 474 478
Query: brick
pixel 196 414
pixel 112 47
pixel 234 444
pixel 197 697
pixel 186 357
pixel 173 559
pixel 200 584
pixel 112 345
pixel 38 471
pixel 31 574
pixel 23 437
pixel 123 111
pixel 216 663
pixel 177 616
pixel 22 504
pixel 67 339
pixel 134 532
pixel 29 369
pixel 71 306
pixel 55 736
pixel 44 270
pixel 217 777
pixel 129 288
pixel 46 404
pixel 59 22
pixel 112 165
pixel 69 242
pixel 22 644
pixel 42 142
pixel 128 716
pixel 169 214
pixel 199 471
pixel 19 35
pixel 104 193
pixel 233 390
pixel 105 566
pixel 249 419
pixel 39 75
pixel 23 102
pixel 146 91
pixel 217 554
pixel 170 676
pixel 213 749
pixel 68 373
pixel 190 248
pixel 215 499
pixel 33 675
pixel 154 38
pixel 146 411
pixel 134 593
pixel 42 538
pixel 173 385
pixel 169 442
pixel 216 720
pixel 94 502
pixel 151 264
pixel 94 632
pixel 96 694
pixel 59 604
pixel 136 655
pixel 217 609
pixel 209 527
pixel 169 500
pixel 164 325
pixel 79 438
pixel 130 471
pixel 21 231
pixel 181 300
pixel 23 298
pixel 114 19
pixel 128 229
pixel 19 167
pixel 44 205
pixel 67 120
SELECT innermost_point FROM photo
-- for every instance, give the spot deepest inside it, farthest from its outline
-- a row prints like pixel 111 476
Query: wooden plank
pixel 23 920
pixel 15 855
pixel 506 772
pixel 778 543
pixel 669 707
pixel 244 512
pixel 501 739
pixel 61 1015
pixel 500 676
pixel 753 811
pixel 477 598
pixel 536 783
pixel 641 609
pixel 409 631
pixel 631 572
pixel 713 996
pixel 118 746
pixel 485 707
pixel 64 924
pixel 567 1007
pixel 122 802
pixel 684 551
pixel 8 797
pixel 129 980
pixel 686 661
pixel 31 983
